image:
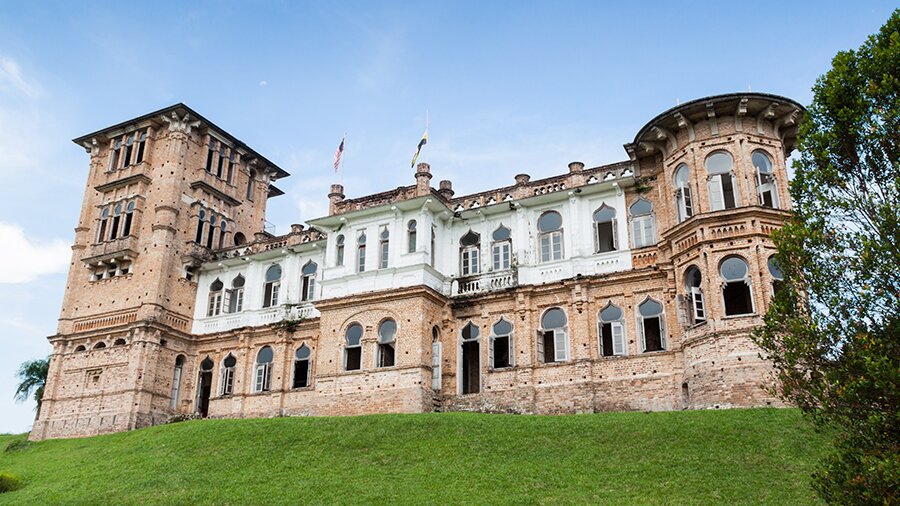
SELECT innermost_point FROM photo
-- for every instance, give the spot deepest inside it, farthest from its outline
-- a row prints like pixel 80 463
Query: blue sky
pixel 510 87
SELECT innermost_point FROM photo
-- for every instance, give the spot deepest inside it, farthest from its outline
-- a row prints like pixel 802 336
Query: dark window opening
pixel 354 358
pixel 606 340
pixel 728 191
pixel 114 231
pixel 301 373
pixel 501 352
pixel 385 355
pixel 549 347
pixel 605 241
pixel 140 152
pixel 737 298
pixel 209 156
pixel 470 366
pixel 652 334
pixel 126 229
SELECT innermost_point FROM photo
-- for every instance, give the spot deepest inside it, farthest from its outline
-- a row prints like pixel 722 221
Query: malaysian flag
pixel 337 155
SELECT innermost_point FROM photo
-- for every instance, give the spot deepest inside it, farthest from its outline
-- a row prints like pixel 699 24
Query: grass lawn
pixel 692 457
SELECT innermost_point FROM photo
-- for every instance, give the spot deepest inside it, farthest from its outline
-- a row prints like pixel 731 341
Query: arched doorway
pixel 204 387
pixel 470 359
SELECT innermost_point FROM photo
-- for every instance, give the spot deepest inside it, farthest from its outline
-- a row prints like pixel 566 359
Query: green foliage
pixel 32 378
pixel 9 482
pixel 833 331
pixel 17 444
pixel 758 456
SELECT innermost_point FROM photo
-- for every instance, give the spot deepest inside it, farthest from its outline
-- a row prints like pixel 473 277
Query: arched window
pixel 470 359
pixel 212 230
pixel 215 298
pixel 612 331
pixel 387 337
pixel 231 162
pixel 469 257
pixel 263 370
pixel 383 247
pixel 411 236
pixel 251 182
pixel 652 325
pixel 204 387
pixel 119 342
pixel 211 151
pixel 339 250
pixel 104 218
pixel 353 347
pixel 435 358
pixel 129 148
pixel 736 288
pixel 223 230
pixel 114 154
pixel 605 237
pixel 220 165
pixel 201 217
pixel 361 252
pixel 129 216
pixel 765 179
pixel 551 236
pixel 643 223
pixel 776 273
pixel 501 248
pixel 501 345
pixel 141 145
pixel 117 216
pixel 236 294
pixel 272 286
pixel 100 345
pixel 239 239
pixel 308 282
pixel 553 337
pixel 684 201
pixel 80 347
pixel 696 305
pixel 722 183
pixel 302 367
pixel 176 381
pixel 226 380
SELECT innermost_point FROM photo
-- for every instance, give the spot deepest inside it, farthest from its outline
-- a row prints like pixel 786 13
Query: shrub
pixel 18 444
pixel 9 482
pixel 183 417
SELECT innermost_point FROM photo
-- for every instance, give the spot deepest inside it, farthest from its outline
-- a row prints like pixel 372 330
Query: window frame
pixel 560 335
pixel 510 345
pixel 615 324
pixel 551 238
pixel 262 372
pixel 663 342
pixel 747 280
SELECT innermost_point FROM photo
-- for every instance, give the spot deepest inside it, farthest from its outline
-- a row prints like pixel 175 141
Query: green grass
pixel 694 457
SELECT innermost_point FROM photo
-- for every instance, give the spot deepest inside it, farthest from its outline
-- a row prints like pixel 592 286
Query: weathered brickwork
pixel 143 335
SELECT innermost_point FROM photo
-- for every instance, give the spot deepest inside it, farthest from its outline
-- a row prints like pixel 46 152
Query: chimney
pixel 296 228
pixel 522 179
pixel 576 167
pixel 446 190
pixel 335 198
pixel 423 179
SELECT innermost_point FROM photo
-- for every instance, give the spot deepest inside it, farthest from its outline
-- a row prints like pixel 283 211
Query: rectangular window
pixel 385 354
pixel 501 253
pixel 685 203
pixel 643 231
pixel 436 366
pixel 411 241
pixel 220 165
pixel 339 259
pixel 501 352
pixel 301 374
pixel 263 377
pixel 652 334
pixel 227 380
pixel 697 307
pixel 114 230
pixel 176 387
pixel 551 246
pixel 469 261
pixel 270 296
pixel 353 358
pixel 765 188
pixel 722 192
pixel 209 155
pixel 215 304
pixel 236 300
pixel 553 346
pixel 361 258
pixel 140 150
pixel 612 339
pixel 308 287
pixel 606 236
pixel 385 251
pixel 114 155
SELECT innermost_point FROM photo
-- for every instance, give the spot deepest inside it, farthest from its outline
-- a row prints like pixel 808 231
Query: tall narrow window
pixel 142 143
pixel 470 363
pixel 652 326
pixel 209 155
pixel 231 162
pixel 553 337
pixel 204 387
pixel 696 305
pixel 501 248
pixel 721 181
pixel 339 250
pixel 501 348
pixel 411 236
pixel 129 148
pixel 643 223
pixel 214 307
pixel 117 217
pixel 236 297
pixel 433 244
pixel 114 154
pixel 383 247
pixel 435 358
pixel 612 331
pixel 251 182
pixel 227 375
pixel 104 218
pixel 201 218
pixel 736 288
pixel 765 179
pixel 353 347
pixel 129 216
pixel 220 165
pixel 176 381
pixel 302 367
pixel 387 338
pixel 605 237
pixel 272 286
pixel 776 273
pixel 223 230
pixel 469 247
pixel 263 370
pixel 212 231
pixel 308 282
pixel 684 201
pixel 361 252
pixel 551 236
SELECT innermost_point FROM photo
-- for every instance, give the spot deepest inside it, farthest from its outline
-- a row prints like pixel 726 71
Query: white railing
pixel 485 283
pixel 254 318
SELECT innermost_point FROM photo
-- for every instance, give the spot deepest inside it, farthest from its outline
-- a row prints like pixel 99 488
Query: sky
pixel 508 86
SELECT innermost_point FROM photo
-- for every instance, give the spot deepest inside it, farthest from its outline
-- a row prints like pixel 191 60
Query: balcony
pixel 255 318
pixel 123 247
pixel 484 283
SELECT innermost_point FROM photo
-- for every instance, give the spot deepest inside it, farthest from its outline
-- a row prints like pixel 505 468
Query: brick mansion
pixel 627 286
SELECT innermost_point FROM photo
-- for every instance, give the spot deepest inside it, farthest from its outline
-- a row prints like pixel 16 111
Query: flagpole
pixel 341 167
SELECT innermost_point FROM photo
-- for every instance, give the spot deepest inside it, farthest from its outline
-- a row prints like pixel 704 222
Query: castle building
pixel 629 286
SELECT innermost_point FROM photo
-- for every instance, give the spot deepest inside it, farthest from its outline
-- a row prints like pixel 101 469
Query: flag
pixel 337 155
pixel 422 142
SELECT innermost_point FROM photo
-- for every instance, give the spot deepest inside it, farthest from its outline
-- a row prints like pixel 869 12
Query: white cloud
pixel 23 260
pixel 264 83
pixel 11 78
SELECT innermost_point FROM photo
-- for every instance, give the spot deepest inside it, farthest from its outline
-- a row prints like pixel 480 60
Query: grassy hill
pixel 695 457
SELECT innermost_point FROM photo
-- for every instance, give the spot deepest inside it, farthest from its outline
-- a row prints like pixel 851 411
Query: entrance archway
pixel 204 387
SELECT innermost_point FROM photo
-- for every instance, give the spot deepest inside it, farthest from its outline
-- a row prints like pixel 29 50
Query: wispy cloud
pixel 11 79
pixel 23 260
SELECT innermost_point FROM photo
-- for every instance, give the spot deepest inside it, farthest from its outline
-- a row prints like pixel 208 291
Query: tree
pixel 833 330
pixel 32 378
